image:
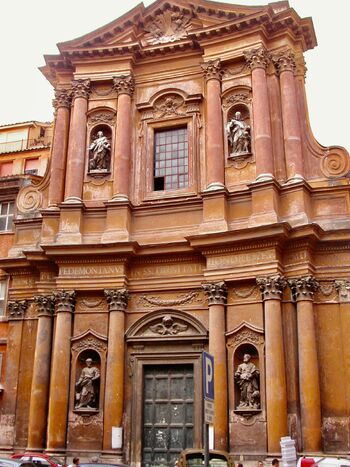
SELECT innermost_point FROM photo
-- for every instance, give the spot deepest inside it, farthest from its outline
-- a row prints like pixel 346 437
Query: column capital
pixel 63 98
pixel 216 292
pixel 212 69
pixel 343 288
pixel 256 58
pixel 124 84
pixel 81 88
pixel 303 288
pixel 272 286
pixel 117 299
pixel 65 300
pixel 45 304
pixel 17 309
pixel 284 61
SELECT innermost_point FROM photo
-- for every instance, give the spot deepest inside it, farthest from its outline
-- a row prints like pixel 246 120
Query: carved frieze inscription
pixel 90 270
pixel 236 259
pixel 154 270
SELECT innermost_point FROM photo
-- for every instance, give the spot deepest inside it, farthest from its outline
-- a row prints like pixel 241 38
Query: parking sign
pixel 208 376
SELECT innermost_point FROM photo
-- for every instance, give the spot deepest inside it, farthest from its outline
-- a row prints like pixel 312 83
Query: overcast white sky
pixel 30 29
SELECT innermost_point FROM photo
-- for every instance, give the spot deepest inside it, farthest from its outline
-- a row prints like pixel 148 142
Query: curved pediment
pixel 166 324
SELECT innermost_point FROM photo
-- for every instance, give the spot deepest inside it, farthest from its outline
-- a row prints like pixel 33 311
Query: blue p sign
pixel 208 376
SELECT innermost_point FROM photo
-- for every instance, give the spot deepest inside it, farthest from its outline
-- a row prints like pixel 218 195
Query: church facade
pixel 186 208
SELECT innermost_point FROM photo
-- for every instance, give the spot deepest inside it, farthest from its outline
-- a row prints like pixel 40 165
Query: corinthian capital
pixel 216 292
pixel 256 58
pixel 45 305
pixel 343 288
pixel 303 288
pixel 17 309
pixel 124 84
pixel 271 287
pixel 212 69
pixel 81 88
pixel 284 61
pixel 117 299
pixel 65 300
pixel 63 98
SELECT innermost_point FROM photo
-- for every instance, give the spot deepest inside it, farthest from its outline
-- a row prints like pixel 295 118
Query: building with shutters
pixel 187 208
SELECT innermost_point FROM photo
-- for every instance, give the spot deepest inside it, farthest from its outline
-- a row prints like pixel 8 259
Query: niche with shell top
pixel 100 150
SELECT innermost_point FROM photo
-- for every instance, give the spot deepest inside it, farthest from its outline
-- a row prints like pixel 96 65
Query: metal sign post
pixel 208 400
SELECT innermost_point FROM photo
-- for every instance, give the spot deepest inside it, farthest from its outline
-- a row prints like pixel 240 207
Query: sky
pixel 31 29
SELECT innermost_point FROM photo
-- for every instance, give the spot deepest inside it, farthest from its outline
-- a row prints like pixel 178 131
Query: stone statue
pixel 100 151
pixel 247 379
pixel 238 135
pixel 86 390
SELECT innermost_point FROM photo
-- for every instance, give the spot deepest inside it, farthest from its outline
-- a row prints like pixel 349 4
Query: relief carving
pixel 168 327
pixel 45 305
pixel 17 308
pixel 284 61
pixel 124 84
pixel 343 288
pixel 272 287
pixel 335 164
pixel 30 199
pixel 65 300
pixel 246 335
pixel 90 342
pixel 63 98
pixel 81 88
pixel 216 292
pixel 168 26
pixel 256 58
pixel 102 117
pixel 212 69
pixel 117 299
pixel 238 98
pixel 303 288
pixel 156 301
pixel 169 106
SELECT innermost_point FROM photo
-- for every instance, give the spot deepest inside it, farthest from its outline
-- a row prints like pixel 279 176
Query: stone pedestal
pixel 60 372
pixel 276 390
pixel 124 86
pixel 118 222
pixel 114 395
pixel 77 142
pixel 257 60
pixel 217 294
pixel 59 148
pixel 215 211
pixel 310 404
pixel 214 129
pixel 41 375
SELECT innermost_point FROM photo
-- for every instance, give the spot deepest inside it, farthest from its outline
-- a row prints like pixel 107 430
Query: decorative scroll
pixel 335 164
pixel 168 26
pixel 168 327
pixel 238 98
pixel 156 301
pixel 303 288
pixel 216 292
pixel 30 199
pixel 117 299
pixel 102 117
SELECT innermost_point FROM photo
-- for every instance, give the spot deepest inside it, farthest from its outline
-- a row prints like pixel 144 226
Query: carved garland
pixel 156 301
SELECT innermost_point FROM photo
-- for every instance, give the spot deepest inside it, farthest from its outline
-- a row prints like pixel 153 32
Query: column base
pixel 72 200
pixel 264 178
pixel 215 186
pixel 295 179
pixel 119 197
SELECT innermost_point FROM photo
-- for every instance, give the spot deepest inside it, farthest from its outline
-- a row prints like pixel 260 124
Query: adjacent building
pixel 187 208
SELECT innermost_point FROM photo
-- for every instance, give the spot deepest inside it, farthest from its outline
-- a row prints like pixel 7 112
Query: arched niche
pixel 99 150
pixel 246 339
pixel 88 372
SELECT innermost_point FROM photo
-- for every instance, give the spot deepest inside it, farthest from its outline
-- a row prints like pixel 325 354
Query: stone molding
pixel 124 84
pixel 256 58
pixel 284 61
pixel 17 309
pixel 117 299
pixel 63 98
pixel 303 288
pixel 272 286
pixel 212 69
pixel 81 88
pixel 216 292
pixel 64 300
pixel 45 305
pixel 343 288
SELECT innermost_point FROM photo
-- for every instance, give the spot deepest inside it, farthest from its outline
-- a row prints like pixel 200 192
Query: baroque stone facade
pixel 187 209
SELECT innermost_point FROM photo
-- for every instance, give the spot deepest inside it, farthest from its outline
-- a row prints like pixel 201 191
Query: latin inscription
pixel 96 270
pixel 167 269
pixel 240 260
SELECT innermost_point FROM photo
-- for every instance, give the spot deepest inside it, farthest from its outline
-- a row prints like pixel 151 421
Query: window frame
pixel 151 127
pixel 4 281
pixel 7 216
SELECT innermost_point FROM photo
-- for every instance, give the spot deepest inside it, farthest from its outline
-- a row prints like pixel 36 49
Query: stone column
pixel 41 374
pixel 257 60
pixel 60 372
pixel 214 129
pixel 285 66
pixel 62 104
pixel 16 312
pixel 343 288
pixel 117 300
pixel 124 86
pixel 276 388
pixel 217 295
pixel 77 142
pixel 310 404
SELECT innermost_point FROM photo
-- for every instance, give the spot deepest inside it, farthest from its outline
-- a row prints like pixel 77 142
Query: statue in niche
pixel 238 135
pixel 87 387
pixel 100 153
pixel 247 379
